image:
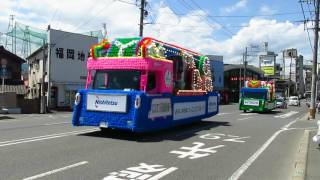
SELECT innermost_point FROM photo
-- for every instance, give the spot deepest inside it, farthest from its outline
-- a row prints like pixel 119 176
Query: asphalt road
pixel 231 145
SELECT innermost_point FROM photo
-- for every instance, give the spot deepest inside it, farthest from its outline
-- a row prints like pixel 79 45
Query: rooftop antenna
pixel 105 32
pixel 11 30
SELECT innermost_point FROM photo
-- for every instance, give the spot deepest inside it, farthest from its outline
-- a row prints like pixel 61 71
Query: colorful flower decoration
pixel 96 49
pixel 254 83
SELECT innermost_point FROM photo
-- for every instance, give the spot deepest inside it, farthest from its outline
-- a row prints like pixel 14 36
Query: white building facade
pixel 65 64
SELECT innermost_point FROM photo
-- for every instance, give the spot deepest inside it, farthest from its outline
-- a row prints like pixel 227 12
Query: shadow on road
pixel 5 118
pixel 179 133
pixel 267 112
pixel 271 112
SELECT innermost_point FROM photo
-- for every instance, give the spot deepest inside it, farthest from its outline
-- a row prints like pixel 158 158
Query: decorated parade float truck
pixel 257 96
pixel 142 84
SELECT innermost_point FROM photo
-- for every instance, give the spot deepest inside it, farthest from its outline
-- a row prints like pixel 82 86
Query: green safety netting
pixel 23 40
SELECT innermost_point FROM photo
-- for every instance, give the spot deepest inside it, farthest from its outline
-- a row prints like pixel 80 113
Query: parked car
pixel 294 101
pixel 281 103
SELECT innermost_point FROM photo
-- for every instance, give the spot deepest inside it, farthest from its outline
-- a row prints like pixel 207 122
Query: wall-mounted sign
pixel 267 64
pixel 69 56
pixel 268 70
pixel 107 103
pixel 188 109
pixel 160 107
pixel 251 102
pixel 212 104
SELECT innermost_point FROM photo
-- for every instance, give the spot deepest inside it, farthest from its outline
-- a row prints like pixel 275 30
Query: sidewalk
pixel 313 159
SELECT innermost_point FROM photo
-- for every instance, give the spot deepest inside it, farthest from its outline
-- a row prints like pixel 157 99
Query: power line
pixel 241 16
pixel 126 2
pixel 153 20
pixel 64 36
pixel 226 29
pixel 310 43
pixel 167 24
pixel 228 32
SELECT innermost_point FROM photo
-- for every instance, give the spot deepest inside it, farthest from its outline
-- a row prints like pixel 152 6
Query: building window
pixel 151 85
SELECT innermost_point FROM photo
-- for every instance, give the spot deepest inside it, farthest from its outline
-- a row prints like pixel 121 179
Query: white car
pixel 294 101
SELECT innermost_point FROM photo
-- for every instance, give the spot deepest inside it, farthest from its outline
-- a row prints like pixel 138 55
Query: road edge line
pixel 300 163
pixel 236 175
pixel 304 118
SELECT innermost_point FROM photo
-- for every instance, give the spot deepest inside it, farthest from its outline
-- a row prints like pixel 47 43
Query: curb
pixel 300 164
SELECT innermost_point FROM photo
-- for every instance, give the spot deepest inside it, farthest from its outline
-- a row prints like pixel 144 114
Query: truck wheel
pixel 244 111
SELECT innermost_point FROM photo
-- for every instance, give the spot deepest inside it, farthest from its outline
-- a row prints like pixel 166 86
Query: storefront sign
pixel 251 102
pixel 212 104
pixel 268 70
pixel 107 103
pixel 188 109
pixel 160 107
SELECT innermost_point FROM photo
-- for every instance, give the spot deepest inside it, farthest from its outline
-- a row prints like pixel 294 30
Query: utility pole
pixel 314 64
pixel 245 67
pixel 49 70
pixel 42 92
pixel 284 65
pixel 240 76
pixel 290 76
pixel 141 17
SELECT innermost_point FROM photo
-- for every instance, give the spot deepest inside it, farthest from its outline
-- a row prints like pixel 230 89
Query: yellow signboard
pixel 268 70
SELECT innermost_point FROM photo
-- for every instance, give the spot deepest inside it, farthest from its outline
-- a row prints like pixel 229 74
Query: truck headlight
pixel 137 102
pixel 77 99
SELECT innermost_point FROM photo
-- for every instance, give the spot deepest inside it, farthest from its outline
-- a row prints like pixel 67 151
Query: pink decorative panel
pixel 162 68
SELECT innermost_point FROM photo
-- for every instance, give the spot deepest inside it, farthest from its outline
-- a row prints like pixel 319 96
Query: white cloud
pixel 239 5
pixel 72 15
pixel 266 10
pixel 188 31
pixel 279 35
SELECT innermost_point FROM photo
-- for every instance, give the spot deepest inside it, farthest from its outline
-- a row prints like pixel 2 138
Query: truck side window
pixel 151 81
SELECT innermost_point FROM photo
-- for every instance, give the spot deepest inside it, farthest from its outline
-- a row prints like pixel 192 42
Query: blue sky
pixel 223 27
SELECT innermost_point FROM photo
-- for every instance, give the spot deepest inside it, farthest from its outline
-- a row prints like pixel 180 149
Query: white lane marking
pixel 56 170
pixel 236 175
pixel 306 128
pixel 49 124
pixel 244 118
pixel 164 173
pixel 39 138
pixel 247 114
pixel 287 114
pixel 221 114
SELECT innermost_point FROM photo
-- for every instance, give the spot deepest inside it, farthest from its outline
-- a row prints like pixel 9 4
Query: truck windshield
pixel 255 95
pixel 117 79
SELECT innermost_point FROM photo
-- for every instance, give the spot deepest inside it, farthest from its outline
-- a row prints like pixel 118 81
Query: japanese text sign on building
pixel 70 54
